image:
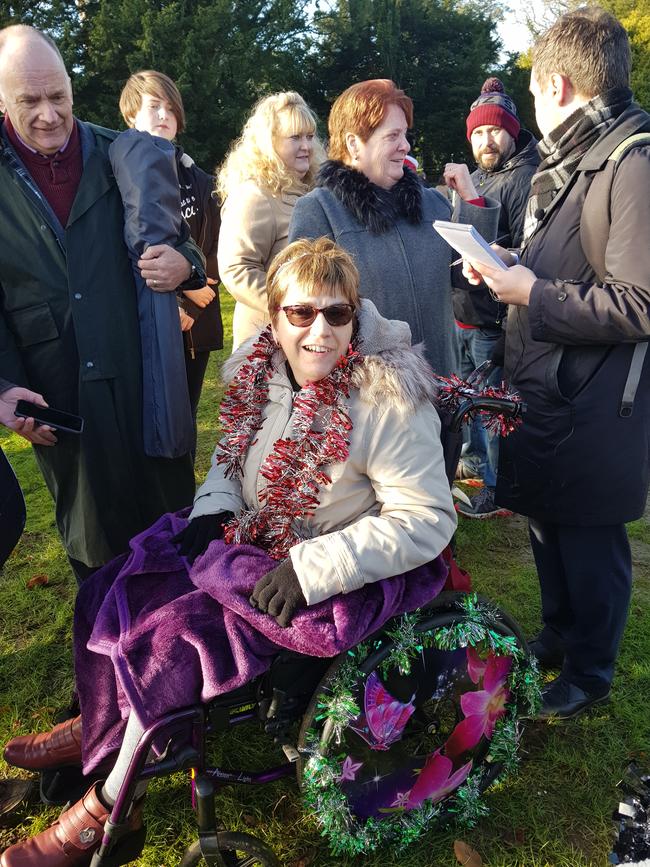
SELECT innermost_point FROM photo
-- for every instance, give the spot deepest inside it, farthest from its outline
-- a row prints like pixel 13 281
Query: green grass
pixel 553 813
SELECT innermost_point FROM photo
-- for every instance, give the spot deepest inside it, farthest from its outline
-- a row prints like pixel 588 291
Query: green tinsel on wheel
pixel 322 793
pixel 468 806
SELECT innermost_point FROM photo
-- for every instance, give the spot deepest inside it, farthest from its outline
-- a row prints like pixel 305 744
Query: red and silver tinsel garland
pixel 452 391
pixel 294 469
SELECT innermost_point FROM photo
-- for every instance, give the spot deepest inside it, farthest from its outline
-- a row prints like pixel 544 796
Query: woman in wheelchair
pixel 324 514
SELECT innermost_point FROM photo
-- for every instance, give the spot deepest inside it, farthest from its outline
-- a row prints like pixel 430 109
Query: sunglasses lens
pixel 338 314
pixel 301 315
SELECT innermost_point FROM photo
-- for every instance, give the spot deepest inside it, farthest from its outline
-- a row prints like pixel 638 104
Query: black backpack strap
pixel 595 221
pixel 633 379
pixel 596 212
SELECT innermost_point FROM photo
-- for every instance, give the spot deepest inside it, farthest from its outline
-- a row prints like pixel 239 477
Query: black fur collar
pixel 375 208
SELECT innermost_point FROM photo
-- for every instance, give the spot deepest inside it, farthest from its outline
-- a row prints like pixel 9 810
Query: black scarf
pixel 375 208
pixel 564 147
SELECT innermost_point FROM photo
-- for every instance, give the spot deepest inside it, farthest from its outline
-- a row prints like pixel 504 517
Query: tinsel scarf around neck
pixel 294 468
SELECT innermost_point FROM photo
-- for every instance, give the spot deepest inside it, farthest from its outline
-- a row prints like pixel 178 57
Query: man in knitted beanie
pixel 492 126
pixel 506 156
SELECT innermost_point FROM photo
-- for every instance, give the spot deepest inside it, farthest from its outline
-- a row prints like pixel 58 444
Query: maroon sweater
pixel 57 176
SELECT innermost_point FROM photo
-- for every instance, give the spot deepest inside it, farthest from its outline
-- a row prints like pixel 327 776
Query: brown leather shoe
pixel 70 841
pixel 60 746
pixel 73 839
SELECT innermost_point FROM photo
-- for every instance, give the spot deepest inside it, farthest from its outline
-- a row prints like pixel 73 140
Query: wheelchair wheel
pixel 412 726
pixel 237 850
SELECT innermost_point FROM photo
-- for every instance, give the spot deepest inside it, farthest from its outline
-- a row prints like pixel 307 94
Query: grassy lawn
pixel 555 812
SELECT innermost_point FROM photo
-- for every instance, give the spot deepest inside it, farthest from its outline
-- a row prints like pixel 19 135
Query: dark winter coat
pixel 576 460
pixel 69 330
pixel 144 167
pixel 402 261
pixel 510 186
pixel 201 211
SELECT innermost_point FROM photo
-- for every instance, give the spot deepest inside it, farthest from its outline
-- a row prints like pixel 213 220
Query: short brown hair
pixel 319 267
pixel 360 109
pixel 151 83
pixel 589 47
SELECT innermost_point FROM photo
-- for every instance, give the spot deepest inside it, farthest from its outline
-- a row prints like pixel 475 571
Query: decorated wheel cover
pixel 413 727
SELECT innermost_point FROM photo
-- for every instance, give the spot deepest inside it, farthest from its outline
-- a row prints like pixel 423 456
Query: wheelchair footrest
pixel 290 752
pixel 127 849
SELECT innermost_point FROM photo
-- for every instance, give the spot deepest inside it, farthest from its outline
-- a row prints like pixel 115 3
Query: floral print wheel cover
pixel 417 737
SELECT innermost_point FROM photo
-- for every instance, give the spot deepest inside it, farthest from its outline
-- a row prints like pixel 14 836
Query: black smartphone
pixel 55 418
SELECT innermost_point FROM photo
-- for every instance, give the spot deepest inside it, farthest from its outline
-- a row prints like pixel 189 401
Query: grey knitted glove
pixel 279 594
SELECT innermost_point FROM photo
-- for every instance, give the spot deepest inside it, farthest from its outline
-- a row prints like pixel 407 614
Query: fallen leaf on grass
pixel 37 581
pixel 467 856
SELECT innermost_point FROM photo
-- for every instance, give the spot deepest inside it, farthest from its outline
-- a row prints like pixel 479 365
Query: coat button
pixel 43 227
pixel 77 295
pixel 562 296
pixel 89 364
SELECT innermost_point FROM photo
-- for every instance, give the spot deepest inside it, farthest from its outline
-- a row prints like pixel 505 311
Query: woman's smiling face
pixel 313 350
pixel 381 157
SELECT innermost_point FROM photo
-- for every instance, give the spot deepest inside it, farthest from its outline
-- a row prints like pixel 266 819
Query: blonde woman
pixel 272 164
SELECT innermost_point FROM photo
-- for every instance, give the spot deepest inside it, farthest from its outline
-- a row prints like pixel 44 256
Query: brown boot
pixel 58 747
pixel 74 838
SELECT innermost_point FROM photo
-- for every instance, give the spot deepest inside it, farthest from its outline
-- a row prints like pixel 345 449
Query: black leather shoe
pixel 564 700
pixel 546 658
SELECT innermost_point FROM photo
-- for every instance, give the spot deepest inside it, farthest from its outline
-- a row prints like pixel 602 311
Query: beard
pixel 490 159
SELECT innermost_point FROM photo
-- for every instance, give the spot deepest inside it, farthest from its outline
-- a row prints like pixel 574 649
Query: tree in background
pixel 223 54
pixel 438 51
pixel 634 15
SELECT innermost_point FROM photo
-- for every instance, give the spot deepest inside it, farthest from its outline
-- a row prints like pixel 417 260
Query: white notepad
pixel 469 243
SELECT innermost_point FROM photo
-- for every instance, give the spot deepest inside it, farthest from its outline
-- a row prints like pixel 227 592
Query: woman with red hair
pixel 378 210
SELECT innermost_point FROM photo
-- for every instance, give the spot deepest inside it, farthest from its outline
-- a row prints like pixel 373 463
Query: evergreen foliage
pixel 225 54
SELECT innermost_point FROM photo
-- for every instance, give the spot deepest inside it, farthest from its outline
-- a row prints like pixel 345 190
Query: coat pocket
pixel 32 325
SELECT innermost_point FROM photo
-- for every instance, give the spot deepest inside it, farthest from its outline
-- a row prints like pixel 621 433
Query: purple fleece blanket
pixel 151 637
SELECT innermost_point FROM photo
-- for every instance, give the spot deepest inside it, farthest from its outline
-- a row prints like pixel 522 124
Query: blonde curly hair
pixel 253 155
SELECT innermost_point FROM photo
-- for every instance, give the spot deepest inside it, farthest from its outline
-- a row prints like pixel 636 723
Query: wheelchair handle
pixel 505 406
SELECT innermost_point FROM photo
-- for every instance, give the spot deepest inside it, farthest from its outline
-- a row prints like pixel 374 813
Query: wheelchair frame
pixel 257 700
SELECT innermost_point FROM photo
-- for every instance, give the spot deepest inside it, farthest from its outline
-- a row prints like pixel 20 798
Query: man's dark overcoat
pixel 69 330
pixel 576 460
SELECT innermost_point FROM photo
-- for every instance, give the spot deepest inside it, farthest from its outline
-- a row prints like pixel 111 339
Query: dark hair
pixel 588 46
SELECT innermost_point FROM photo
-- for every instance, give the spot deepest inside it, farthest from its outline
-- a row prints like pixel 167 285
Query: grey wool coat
pixel 69 330
pixel 403 262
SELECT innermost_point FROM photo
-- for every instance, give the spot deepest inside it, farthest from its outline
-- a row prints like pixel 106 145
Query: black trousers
pixel 81 571
pixel 585 577
pixel 195 367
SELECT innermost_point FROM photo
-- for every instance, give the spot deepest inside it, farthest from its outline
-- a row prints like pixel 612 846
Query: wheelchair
pixel 405 730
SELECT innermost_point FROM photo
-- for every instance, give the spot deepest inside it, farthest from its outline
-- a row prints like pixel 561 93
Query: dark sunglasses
pixel 302 315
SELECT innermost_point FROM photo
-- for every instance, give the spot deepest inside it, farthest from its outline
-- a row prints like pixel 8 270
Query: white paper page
pixel 468 242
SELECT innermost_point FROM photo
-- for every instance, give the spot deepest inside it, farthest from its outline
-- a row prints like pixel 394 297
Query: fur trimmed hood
pixel 392 372
pixel 375 208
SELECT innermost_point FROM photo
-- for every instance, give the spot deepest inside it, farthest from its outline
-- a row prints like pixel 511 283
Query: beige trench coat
pixel 254 229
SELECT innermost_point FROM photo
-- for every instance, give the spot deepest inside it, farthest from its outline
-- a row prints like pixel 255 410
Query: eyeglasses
pixel 302 315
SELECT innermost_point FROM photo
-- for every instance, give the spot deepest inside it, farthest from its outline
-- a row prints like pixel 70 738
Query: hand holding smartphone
pixel 54 418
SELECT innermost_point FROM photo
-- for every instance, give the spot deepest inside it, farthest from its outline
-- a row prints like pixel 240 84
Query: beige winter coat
pixel 254 228
pixel 388 508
